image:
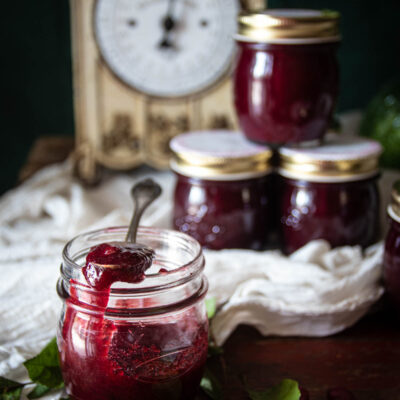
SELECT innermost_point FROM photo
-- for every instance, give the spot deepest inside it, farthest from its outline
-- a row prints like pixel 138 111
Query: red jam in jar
pixel 286 75
pixel 223 195
pixel 121 340
pixel 391 258
pixel 330 192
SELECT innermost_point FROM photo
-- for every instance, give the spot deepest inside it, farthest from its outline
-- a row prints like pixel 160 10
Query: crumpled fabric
pixel 314 292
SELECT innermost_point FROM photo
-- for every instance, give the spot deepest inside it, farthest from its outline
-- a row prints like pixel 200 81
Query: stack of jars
pixel 283 181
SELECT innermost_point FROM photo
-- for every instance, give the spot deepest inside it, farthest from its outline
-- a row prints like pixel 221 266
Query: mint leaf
pixel 10 390
pixel 6 384
pixel 210 385
pixel 38 391
pixel 211 307
pixel 330 13
pixel 45 367
pixel 11 394
pixel 287 389
pixel 214 350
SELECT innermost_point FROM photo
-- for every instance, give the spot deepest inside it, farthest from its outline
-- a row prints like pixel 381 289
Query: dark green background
pixel 36 83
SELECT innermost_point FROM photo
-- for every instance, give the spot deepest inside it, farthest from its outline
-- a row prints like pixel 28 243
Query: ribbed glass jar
pixel 138 341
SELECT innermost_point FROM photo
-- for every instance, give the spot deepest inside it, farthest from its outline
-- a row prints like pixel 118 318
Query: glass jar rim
pixel 171 278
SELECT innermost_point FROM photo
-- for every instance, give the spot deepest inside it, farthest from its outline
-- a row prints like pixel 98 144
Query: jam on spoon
pixel 125 261
pixel 116 261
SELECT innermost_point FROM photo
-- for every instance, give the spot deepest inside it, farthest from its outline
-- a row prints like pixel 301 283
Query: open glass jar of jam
pixel 286 75
pixel 330 192
pixel 223 195
pixel 146 340
pixel 391 258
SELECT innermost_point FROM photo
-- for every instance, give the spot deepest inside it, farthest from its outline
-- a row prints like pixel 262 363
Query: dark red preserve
pixel 122 340
pixel 286 75
pixel 391 259
pixel 223 195
pixel 330 192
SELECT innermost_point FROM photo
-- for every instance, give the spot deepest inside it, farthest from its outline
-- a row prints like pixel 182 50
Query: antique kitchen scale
pixel 146 70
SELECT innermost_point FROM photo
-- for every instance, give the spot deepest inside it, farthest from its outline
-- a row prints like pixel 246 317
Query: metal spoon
pixel 143 194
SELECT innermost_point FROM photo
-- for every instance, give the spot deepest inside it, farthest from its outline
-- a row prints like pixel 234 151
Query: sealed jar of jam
pixel 146 340
pixel 286 75
pixel 223 195
pixel 391 258
pixel 330 192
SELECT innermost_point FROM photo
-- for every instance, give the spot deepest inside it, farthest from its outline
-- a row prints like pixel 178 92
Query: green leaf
pixel 211 386
pixel 45 367
pixel 381 121
pixel 10 390
pixel 12 394
pixel 287 389
pixel 38 391
pixel 330 13
pixel 6 384
pixel 214 350
pixel 211 307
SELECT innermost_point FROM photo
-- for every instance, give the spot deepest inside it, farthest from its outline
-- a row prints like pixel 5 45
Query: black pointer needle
pixel 168 25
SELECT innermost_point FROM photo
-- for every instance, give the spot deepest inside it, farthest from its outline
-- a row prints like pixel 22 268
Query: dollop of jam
pixel 112 262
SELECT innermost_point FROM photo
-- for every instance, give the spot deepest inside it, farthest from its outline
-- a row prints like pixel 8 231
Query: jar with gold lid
pixel 223 195
pixel 286 75
pixel 391 258
pixel 330 192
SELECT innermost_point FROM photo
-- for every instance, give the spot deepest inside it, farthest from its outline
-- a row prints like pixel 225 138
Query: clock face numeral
pixel 167 48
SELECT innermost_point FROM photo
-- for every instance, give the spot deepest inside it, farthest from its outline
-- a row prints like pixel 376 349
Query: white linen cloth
pixel 316 291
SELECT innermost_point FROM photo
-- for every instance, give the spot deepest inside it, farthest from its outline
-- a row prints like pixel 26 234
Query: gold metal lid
pixel 290 26
pixel 218 155
pixel 338 159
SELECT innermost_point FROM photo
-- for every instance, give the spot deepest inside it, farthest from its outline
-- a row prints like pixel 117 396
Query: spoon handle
pixel 143 194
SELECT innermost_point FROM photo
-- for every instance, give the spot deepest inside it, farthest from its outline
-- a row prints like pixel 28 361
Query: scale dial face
pixel 167 48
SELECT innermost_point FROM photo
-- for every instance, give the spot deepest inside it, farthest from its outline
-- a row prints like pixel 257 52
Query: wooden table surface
pixel 364 359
